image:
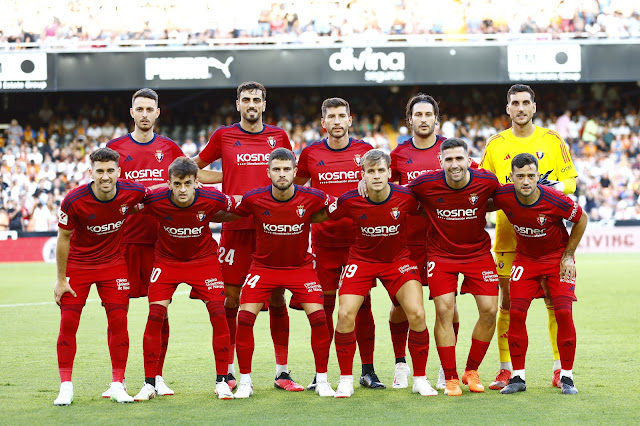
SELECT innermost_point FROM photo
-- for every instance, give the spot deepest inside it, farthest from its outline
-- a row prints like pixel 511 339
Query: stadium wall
pixel 41 247
pixel 302 66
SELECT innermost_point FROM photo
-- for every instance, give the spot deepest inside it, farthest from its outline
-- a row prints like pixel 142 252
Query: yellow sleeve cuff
pixel 569 186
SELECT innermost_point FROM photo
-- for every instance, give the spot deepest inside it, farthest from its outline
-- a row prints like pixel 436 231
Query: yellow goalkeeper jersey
pixel 552 154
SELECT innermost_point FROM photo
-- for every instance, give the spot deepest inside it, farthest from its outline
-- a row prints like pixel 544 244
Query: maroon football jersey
pixel 457 216
pixel 97 225
pixel 245 157
pixel 407 163
pixel 282 227
pixel 146 163
pixel 333 171
pixel 540 232
pixel 184 233
pixel 380 227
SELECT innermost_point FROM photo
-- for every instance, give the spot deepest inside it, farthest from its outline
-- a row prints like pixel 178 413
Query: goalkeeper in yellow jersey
pixel 557 170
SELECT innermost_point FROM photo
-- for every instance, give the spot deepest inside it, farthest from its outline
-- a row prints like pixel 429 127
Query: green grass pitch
pixel 606 369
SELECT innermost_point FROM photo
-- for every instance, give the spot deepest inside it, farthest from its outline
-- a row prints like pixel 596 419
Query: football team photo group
pixel 329 225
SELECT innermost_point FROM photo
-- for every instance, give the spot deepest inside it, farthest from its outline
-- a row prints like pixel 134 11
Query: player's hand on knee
pixel 61 288
pixel 567 268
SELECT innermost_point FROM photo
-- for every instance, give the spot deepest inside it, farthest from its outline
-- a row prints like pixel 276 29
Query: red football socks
pixel 329 307
pixel 279 321
pixel 345 349
pixel 232 319
pixel 69 321
pixel 220 340
pixel 517 334
pixel 119 341
pixel 418 343
pixel 399 333
pixel 152 340
pixel 366 331
pixel 244 340
pixel 320 341
pixel 476 354
pixel 448 361
pixel 566 331
pixel 164 346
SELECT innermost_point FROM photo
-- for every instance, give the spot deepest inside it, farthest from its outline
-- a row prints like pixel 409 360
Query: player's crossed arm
pixel 206 176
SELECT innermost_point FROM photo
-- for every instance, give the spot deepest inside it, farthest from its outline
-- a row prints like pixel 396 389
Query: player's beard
pixel 424 134
pixel 337 132
pixel 283 186
pixel 252 119
pixel 145 126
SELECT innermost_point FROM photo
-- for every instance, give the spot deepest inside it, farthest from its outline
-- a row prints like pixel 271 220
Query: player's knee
pixel 416 316
pixel 277 300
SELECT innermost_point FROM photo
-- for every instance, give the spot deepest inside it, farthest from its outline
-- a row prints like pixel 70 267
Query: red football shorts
pixel 139 259
pixel 329 264
pixel 234 253
pixel 112 284
pixel 526 275
pixel 261 281
pixel 418 253
pixel 480 277
pixel 359 277
pixel 205 279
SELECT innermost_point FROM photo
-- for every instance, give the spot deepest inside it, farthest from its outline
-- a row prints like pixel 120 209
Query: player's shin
pixel 164 345
pixel 152 341
pixel 345 350
pixel 320 341
pixel 518 338
pixel 66 347
pixel 245 341
pixel 366 331
pixel 279 324
pixel 119 342
pixel 566 331
pixel 329 307
pixel 418 343
pixel 220 340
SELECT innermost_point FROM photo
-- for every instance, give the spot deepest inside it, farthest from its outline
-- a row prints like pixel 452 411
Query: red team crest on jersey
pixel 395 213
pixel 542 219
pixel 356 159
pixel 300 211
pixel 124 209
pixel 159 156
pixel 271 141
pixel 473 198
pixel 539 154
pixel 201 215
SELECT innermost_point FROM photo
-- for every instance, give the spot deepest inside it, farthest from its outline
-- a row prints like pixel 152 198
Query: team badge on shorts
pixel 271 141
pixel 539 154
pixel 356 159
pixel 124 209
pixel 500 265
pixel 300 211
pixel 395 213
pixel 201 215
pixel 542 219
pixel 159 155
pixel 473 198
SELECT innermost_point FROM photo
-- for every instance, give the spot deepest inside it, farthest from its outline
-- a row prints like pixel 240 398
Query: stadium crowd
pixel 45 153
pixel 199 22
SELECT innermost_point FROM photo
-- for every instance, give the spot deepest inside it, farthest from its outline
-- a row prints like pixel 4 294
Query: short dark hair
pixel 517 88
pixel 145 93
pixel 454 143
pixel 333 103
pixel 373 156
pixel 523 159
pixel 421 98
pixel 182 167
pixel 283 154
pixel 251 85
pixel 102 155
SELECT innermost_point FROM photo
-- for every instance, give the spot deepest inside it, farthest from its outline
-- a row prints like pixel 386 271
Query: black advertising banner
pixel 338 65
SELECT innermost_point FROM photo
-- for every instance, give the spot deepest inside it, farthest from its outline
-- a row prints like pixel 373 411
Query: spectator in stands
pixel 15 132
pixel 189 148
pixel 4 220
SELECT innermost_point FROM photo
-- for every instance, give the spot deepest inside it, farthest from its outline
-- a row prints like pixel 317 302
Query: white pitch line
pixel 15 305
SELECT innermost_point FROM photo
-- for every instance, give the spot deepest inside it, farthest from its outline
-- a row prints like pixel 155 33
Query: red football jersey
pixel 184 233
pixel 97 225
pixel 147 163
pixel 407 163
pixel 282 227
pixel 380 227
pixel 333 171
pixel 457 216
pixel 245 157
pixel 540 232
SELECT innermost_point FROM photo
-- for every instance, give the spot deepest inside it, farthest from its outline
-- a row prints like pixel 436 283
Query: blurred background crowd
pixel 205 21
pixel 45 148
